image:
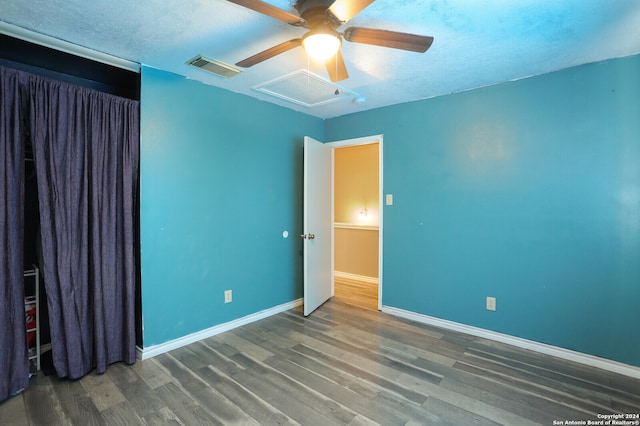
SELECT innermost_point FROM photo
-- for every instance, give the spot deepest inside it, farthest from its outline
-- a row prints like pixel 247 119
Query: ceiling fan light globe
pixel 321 46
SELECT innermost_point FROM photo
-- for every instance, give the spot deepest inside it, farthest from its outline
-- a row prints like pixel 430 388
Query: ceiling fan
pixel 322 18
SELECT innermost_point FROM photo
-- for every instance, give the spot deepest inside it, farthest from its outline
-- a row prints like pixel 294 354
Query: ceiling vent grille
pixel 215 67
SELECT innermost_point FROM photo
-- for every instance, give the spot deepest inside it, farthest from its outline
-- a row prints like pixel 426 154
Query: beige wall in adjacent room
pixel 356 190
pixel 356 251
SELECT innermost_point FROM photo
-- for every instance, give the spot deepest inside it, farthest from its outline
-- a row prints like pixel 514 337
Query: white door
pixel 317 218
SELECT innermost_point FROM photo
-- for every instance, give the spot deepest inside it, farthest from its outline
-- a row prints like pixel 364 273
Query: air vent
pixel 216 67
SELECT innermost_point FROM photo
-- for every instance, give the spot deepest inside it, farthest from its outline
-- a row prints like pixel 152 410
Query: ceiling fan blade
pixel 395 40
pixel 272 11
pixel 343 10
pixel 269 53
pixel 336 68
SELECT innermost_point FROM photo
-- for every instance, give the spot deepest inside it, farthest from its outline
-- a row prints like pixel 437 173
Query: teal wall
pixel 529 192
pixel 221 179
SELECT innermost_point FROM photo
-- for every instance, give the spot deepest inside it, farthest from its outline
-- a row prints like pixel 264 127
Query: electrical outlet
pixel 491 303
pixel 228 296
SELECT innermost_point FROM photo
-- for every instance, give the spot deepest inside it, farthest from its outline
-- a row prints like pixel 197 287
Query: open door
pixel 317 218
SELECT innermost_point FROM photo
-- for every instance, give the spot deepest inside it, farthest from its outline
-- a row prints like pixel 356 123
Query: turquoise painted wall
pixel 221 179
pixel 529 192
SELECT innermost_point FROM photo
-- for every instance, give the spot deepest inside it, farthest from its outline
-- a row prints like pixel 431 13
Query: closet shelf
pixel 32 314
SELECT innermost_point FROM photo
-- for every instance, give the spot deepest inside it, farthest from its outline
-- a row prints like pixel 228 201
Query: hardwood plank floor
pixel 355 292
pixel 341 366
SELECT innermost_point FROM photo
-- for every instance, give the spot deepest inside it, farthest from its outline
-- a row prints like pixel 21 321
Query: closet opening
pixel 37 316
pixel 25 56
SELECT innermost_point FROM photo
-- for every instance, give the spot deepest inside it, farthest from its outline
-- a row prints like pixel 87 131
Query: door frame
pixel 366 140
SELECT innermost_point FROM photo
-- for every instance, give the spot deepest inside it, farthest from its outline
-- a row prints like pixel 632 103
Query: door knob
pixel 311 236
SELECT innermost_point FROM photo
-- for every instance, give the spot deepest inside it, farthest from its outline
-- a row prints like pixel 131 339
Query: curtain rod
pixel 65 46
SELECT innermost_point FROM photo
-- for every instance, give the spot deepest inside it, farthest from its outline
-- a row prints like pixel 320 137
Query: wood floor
pixel 340 366
pixel 357 293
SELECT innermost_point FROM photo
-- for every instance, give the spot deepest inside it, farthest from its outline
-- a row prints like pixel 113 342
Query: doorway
pixel 357 221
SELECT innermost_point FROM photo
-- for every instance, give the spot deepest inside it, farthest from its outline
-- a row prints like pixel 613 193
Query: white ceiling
pixel 477 43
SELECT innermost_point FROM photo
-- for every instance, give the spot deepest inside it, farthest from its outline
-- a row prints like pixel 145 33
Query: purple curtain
pixel 14 363
pixel 86 148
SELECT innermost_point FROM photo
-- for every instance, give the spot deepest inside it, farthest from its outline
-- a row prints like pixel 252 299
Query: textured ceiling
pixel 477 43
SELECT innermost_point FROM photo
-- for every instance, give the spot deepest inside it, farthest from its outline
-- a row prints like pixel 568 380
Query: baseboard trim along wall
pixel 355 277
pixel 151 351
pixel 579 357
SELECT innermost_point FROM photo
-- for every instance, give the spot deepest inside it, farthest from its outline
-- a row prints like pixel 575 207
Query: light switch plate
pixel 491 303
pixel 389 200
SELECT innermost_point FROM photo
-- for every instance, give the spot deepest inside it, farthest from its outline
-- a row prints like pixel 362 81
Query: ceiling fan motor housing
pixel 315 12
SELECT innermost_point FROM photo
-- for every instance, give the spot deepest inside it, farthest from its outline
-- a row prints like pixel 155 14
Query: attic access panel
pixel 305 88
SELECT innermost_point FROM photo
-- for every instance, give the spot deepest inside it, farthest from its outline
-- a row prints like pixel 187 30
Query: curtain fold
pixel 86 149
pixel 14 363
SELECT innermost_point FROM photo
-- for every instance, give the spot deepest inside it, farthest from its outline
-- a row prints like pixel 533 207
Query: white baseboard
pixel 579 357
pixel 151 351
pixel 355 277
